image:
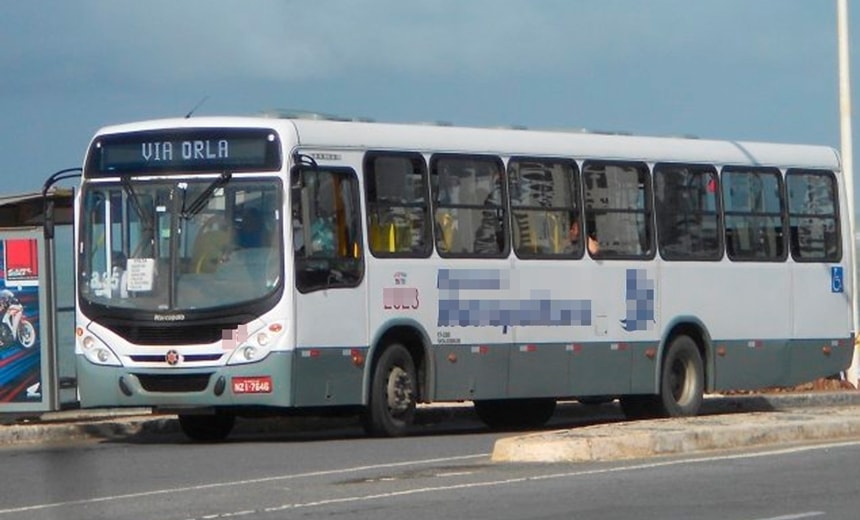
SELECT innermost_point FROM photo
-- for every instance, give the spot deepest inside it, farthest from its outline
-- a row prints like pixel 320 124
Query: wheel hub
pixel 680 381
pixel 399 390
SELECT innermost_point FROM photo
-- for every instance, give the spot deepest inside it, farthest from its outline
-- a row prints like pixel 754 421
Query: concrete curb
pixel 730 423
pixel 678 436
pixel 88 429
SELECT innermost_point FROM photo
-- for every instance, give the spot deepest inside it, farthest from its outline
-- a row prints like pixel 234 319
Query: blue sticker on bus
pixel 836 279
pixel 640 301
pixel 468 298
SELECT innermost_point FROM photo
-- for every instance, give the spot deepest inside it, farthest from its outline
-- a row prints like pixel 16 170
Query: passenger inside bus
pixel 251 230
pixel 575 235
pixel 322 237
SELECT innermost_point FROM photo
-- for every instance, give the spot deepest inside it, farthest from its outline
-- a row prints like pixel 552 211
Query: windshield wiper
pixel 146 220
pixel 203 199
pixel 142 214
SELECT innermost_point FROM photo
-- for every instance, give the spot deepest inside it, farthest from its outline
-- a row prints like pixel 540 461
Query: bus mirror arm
pixel 303 161
pixel 48 204
pixel 300 160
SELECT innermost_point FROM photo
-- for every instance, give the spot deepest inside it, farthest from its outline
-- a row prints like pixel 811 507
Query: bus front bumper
pixel 264 383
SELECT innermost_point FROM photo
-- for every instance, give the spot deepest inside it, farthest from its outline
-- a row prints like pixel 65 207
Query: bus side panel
pixel 466 372
pixel 821 320
pixel 467 357
pixel 575 342
pixel 330 324
pixel 539 370
pixel 470 358
pixel 751 364
pixel 745 307
pixel 599 369
pixel 821 303
pixel 644 373
pixel 328 376
pixel 624 315
pixel 544 320
pixel 814 358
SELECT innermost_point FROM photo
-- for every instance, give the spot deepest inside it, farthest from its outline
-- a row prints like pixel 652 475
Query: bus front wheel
pixel 206 428
pixel 393 394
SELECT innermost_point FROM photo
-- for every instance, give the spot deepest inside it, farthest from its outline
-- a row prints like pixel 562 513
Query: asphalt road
pixel 444 475
pixel 445 471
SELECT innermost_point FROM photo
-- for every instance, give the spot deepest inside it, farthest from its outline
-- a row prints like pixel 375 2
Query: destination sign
pixel 182 151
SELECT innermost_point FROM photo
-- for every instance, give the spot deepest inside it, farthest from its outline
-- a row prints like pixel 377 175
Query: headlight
pixel 248 353
pixel 97 352
pixel 257 345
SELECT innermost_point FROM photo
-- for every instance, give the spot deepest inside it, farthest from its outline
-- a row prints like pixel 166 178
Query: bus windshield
pixel 141 248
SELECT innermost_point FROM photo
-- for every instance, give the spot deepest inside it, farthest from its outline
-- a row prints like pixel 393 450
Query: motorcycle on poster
pixel 14 325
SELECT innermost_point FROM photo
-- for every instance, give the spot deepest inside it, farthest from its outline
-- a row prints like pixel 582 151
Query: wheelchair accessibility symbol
pixel 836 279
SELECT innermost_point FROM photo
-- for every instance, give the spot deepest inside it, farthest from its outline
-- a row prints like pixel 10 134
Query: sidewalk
pixel 726 422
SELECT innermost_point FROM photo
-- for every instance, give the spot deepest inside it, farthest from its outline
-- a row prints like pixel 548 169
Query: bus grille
pixel 167 335
pixel 188 358
pixel 174 382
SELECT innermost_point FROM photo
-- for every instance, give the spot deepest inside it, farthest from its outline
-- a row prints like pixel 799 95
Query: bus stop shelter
pixel 37 369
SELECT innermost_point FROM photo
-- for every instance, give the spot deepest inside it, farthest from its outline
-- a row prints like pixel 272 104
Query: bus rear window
pixel 813 216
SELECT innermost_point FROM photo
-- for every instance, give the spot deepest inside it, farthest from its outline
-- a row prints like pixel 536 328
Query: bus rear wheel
pixel 682 385
pixel 393 394
pixel 504 414
pixel 206 428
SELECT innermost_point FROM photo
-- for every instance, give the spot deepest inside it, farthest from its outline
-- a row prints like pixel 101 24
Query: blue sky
pixel 762 70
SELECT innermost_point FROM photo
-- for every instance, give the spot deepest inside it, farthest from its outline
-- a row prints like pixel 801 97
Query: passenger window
pixel 398 213
pixel 688 223
pixel 813 216
pixel 754 208
pixel 544 206
pixel 469 209
pixel 618 208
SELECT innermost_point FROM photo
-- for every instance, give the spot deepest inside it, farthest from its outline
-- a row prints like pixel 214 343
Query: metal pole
pixel 847 163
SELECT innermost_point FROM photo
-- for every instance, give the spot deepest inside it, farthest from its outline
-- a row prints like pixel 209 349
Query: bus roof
pixel 360 135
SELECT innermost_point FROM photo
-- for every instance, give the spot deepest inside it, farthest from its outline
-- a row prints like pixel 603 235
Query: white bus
pixel 242 266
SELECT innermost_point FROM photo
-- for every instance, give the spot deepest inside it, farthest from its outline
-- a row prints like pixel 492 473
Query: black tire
pixel 506 414
pixel 682 381
pixel 682 385
pixel 206 428
pixel 393 394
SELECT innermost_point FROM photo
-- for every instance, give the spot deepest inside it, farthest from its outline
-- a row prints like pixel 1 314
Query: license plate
pixel 252 385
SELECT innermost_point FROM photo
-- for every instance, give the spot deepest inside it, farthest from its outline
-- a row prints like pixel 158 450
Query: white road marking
pixel 795 516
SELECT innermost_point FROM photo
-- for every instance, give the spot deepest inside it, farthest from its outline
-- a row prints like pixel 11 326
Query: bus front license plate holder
pixel 252 385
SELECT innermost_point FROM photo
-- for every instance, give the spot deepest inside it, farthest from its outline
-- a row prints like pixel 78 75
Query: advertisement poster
pixel 22 363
